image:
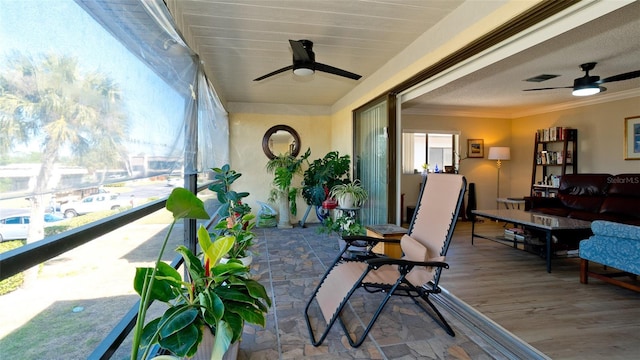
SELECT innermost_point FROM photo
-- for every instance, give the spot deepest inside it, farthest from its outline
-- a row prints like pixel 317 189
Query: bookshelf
pixel 555 152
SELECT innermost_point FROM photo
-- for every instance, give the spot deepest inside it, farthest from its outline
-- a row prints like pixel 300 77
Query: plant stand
pixel 284 221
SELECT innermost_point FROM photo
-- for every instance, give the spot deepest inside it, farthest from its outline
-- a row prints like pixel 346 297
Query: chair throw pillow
pixel 415 251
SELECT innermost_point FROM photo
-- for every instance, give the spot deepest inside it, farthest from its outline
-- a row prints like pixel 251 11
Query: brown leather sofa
pixel 593 197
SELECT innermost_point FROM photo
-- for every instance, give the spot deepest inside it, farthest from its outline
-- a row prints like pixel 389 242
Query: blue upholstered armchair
pixel 614 245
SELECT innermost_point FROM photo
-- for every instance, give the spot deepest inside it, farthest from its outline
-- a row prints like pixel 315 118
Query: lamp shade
pixel 499 153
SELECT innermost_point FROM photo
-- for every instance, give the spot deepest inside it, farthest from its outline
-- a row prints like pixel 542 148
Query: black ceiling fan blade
pixel 299 51
pixel 274 73
pixel 626 76
pixel 549 88
pixel 334 70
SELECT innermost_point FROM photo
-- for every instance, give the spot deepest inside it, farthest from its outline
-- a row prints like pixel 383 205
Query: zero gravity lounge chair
pixel 415 275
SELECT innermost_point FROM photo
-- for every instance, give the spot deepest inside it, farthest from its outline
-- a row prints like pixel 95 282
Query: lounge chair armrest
pixel 377 262
pixel 369 239
pixel 361 240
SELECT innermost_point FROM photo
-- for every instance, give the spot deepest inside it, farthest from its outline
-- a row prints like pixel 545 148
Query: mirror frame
pixel 273 130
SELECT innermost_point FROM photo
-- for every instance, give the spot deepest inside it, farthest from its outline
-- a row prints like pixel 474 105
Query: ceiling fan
pixel 590 85
pixel 304 63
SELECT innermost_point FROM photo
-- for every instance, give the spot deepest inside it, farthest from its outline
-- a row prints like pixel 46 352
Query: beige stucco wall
pixel 246 155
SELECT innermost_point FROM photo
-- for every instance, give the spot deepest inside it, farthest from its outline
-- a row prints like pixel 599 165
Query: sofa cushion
pixel 623 198
pixel 583 192
pixel 624 185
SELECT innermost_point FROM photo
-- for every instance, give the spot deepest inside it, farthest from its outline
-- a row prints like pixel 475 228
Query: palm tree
pixel 52 102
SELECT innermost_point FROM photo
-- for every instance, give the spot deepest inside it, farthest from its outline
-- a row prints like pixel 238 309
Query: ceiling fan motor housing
pixel 585 82
pixel 307 63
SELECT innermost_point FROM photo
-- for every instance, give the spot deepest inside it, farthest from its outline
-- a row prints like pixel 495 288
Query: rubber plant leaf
pixel 184 204
pixel 236 323
pixel 149 334
pixel 223 340
pixel 166 277
pixel 212 307
pixel 192 264
pixel 214 251
pixel 177 319
pixel 248 313
pixel 257 291
pixel 183 342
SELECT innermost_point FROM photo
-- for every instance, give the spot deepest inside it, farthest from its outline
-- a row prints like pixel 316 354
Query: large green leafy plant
pixel 215 297
pixel 322 175
pixel 284 167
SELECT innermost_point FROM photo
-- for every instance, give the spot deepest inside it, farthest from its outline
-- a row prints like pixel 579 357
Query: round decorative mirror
pixel 281 139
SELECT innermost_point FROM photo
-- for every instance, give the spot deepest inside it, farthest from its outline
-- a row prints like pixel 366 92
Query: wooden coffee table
pixel 547 224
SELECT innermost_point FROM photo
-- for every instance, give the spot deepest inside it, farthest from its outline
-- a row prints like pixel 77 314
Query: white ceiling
pixel 242 39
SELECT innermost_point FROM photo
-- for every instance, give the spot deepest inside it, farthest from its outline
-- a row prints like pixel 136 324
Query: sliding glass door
pixel 373 138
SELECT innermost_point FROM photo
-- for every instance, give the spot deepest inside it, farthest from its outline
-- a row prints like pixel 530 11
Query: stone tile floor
pixel 291 261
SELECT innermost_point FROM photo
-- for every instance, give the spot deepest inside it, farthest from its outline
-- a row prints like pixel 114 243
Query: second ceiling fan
pixel 589 85
pixel 304 63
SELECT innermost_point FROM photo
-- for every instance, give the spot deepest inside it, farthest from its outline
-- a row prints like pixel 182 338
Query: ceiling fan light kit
pixel 585 91
pixel 302 71
pixel 586 85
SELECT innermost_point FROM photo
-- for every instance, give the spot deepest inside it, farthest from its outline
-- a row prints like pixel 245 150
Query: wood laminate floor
pixel 553 312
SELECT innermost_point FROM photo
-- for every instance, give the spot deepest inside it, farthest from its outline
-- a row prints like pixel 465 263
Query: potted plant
pixel 241 230
pixel 235 216
pixel 345 224
pixel 284 167
pixel 323 174
pixel 350 195
pixel 215 297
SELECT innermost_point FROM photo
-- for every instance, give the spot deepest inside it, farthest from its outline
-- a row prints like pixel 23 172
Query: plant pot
pixel 206 348
pixel 346 201
pixel 246 261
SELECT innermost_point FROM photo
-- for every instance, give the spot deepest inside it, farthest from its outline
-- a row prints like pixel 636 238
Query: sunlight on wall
pixel 246 132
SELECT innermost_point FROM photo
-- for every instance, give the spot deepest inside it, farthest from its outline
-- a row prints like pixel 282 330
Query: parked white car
pixel 92 203
pixel 14 223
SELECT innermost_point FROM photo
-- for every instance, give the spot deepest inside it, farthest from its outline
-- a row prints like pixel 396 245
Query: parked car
pixel 50 217
pixel 92 203
pixel 14 223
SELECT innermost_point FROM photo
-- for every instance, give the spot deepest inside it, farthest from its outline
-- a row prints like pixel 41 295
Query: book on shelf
pixel 546 157
pixel 554 133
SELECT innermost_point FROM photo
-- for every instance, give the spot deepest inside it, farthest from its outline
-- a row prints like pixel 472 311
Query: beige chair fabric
pixel 427 240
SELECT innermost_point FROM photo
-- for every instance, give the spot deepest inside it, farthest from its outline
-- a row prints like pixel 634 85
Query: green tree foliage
pixel 49 103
